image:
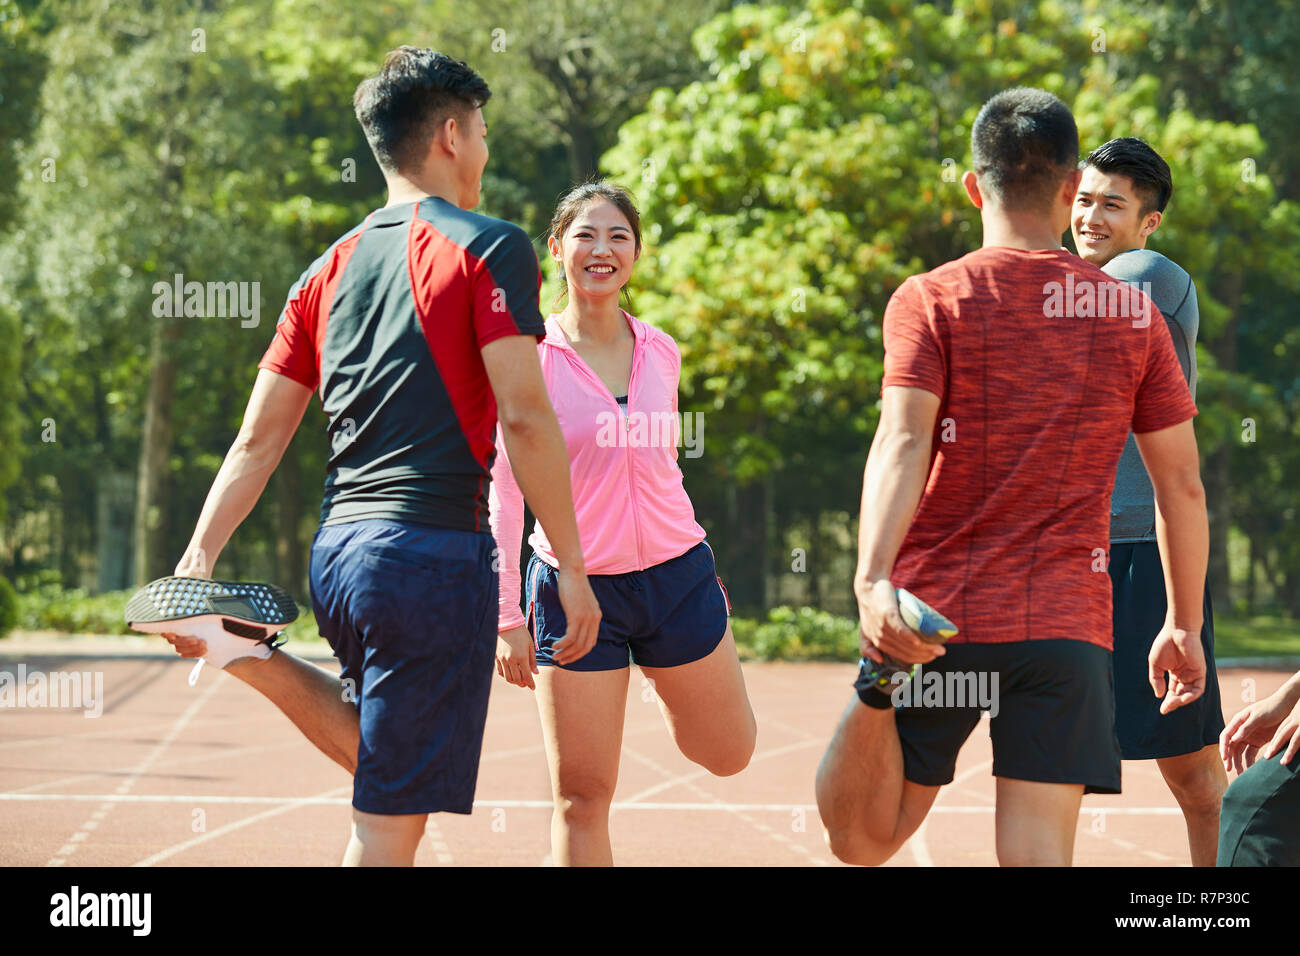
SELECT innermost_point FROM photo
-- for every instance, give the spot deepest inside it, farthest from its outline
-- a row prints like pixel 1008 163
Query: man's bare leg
pixel 1198 781
pixel 1036 822
pixel 316 702
pixel 383 839
pixel 314 699
pixel 868 809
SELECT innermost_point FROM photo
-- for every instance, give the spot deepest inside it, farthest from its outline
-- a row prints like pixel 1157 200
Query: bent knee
pixel 1200 792
pixel 725 761
pixel 850 846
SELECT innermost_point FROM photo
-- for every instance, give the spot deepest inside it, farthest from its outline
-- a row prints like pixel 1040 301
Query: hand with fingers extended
pixel 882 630
pixel 1177 651
pixel 1264 728
pixel 516 661
pixel 581 613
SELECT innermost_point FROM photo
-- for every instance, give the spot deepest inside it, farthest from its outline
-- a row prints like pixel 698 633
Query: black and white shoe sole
pixel 235 618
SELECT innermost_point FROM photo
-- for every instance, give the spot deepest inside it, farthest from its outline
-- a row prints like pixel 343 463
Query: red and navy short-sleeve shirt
pixel 388 325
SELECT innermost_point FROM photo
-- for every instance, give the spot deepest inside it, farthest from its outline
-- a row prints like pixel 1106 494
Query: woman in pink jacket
pixel 613 381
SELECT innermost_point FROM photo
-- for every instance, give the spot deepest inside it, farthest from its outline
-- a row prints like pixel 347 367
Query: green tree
pixel 786 197
pixel 818 167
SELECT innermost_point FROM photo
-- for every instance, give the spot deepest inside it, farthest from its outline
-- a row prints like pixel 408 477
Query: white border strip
pixel 199 799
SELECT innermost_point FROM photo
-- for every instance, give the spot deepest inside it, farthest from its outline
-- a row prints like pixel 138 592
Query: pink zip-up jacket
pixel 632 509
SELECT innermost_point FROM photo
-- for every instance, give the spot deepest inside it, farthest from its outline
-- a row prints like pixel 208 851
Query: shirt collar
pixel 555 335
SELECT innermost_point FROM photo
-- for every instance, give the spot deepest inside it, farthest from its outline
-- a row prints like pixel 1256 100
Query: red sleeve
pixel 292 352
pixel 507 282
pixel 1163 399
pixel 913 357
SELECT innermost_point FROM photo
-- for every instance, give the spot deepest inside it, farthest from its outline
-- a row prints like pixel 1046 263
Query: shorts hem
pixel 574 668
pixel 393 809
pixel 911 778
pixel 1030 777
pixel 691 660
pixel 1163 753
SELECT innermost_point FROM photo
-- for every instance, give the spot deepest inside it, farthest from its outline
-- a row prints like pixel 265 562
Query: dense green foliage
pixel 793 164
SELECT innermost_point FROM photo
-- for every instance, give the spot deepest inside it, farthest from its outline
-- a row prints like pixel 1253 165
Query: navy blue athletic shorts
pixel 670 614
pixel 410 611
pixel 1139 605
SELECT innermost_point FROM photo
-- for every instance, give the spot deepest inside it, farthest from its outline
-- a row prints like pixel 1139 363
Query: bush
pixel 8 607
pixel 794 634
pixel 48 607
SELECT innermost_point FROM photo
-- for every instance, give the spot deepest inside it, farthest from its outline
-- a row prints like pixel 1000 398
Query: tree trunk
pixel 152 515
pixel 151 512
pixel 1250 575
pixel 1218 477
pixel 747 572
pixel 288 514
pixel 584 156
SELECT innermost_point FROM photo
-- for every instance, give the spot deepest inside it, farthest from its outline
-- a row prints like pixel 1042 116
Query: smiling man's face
pixel 1108 217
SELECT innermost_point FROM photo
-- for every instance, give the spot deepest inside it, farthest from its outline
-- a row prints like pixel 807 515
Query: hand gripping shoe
pixel 235 619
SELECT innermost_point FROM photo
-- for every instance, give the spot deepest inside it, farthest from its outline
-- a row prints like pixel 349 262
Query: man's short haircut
pixel 1132 157
pixel 414 93
pixel 1024 143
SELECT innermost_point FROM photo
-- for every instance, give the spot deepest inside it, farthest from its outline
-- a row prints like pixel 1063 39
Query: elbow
pixel 520 418
pixel 906 443
pixel 1183 490
pixel 253 450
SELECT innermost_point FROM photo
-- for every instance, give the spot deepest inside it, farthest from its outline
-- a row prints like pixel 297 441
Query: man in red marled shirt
pixel 1012 378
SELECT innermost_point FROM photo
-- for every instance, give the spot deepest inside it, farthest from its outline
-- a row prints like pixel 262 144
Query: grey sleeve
pixel 1172 290
pixel 1132 508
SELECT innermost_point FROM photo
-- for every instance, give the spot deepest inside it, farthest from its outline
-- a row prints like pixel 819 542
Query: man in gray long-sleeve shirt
pixel 1119 204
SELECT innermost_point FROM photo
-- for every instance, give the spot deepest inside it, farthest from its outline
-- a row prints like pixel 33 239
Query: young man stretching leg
pixel 419 327
pixel 999 523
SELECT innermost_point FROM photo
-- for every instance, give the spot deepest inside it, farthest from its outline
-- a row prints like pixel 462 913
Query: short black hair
pixel 411 96
pixel 1023 143
pixel 1134 158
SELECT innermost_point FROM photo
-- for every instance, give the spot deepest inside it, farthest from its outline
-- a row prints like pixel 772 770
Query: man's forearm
pixel 539 459
pixel 892 485
pixel 235 490
pixel 1183 535
pixel 1289 693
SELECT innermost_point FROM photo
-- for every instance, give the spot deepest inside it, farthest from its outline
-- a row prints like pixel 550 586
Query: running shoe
pixel 236 619
pixel 926 623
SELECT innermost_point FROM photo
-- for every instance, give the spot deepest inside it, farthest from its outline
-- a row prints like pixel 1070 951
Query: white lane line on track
pixel 143 724
pixel 173 762
pixel 325 800
pixel 742 815
pixel 917 841
pixel 176 848
pixel 125 787
pixel 697 774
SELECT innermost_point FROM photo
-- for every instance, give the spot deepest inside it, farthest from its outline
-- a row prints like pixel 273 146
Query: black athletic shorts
pixel 1138 587
pixel 1051 704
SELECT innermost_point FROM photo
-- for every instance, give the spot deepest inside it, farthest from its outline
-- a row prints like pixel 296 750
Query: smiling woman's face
pixel 598 250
